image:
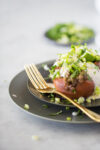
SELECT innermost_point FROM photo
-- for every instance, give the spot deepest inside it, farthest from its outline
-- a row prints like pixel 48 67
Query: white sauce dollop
pixel 94 73
pixel 64 71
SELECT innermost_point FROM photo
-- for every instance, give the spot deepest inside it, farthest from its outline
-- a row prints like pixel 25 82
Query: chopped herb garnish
pixel 96 67
pixel 94 72
pixel 97 91
pixel 75 73
pixel 89 78
pixel 78 112
pixel 74 91
pixel 81 100
pixel 65 101
pixel 26 106
pixel 76 100
pixel 88 100
pixel 45 106
pixel 43 65
pixel 57 100
pixel 68 118
pixel 51 95
pixel 74 62
pixel 52 100
pixel 57 113
pixel 81 116
pixel 67 107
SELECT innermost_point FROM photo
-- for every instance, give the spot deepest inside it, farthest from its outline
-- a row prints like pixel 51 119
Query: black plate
pixel 21 96
pixel 45 98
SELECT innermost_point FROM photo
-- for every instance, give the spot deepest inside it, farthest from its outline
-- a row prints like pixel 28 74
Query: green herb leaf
pixel 26 106
pixel 57 113
pixel 45 106
pixel 67 107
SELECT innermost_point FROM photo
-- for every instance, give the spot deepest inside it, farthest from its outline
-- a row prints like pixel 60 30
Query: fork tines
pixel 35 77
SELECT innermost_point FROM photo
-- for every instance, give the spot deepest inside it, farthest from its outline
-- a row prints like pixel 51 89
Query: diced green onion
pixel 52 100
pixel 74 62
pixel 57 100
pixel 57 113
pixel 81 100
pixel 75 100
pixel 68 118
pixel 67 107
pixel 88 100
pixel 45 106
pixel 97 91
pixel 26 106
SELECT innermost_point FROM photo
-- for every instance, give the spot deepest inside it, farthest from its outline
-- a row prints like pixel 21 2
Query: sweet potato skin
pixel 83 89
pixel 97 63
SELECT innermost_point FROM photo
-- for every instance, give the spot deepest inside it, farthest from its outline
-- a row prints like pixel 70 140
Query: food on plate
pixel 66 33
pixel 77 73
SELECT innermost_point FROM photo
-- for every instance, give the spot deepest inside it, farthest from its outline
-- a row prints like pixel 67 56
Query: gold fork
pixel 40 84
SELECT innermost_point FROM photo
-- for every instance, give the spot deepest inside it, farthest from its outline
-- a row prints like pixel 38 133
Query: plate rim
pixel 42 117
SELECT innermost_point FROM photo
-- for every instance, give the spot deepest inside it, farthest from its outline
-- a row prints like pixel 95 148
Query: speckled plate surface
pixel 45 98
pixel 20 95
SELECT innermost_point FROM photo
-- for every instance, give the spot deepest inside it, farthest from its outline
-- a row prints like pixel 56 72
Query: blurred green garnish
pixel 68 118
pixel 66 33
pixel 45 106
pixel 57 113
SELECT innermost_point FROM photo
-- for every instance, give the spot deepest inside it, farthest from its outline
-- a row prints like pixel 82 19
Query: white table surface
pixel 22 24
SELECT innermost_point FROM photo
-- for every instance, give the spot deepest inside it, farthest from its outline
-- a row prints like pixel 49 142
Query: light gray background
pixel 22 24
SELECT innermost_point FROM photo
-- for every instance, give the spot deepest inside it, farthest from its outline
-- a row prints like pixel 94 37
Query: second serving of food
pixel 77 73
pixel 68 33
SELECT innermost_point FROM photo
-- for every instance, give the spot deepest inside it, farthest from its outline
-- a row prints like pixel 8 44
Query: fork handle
pixel 94 116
